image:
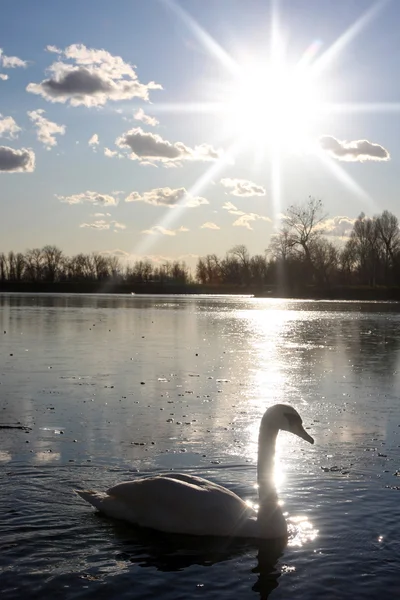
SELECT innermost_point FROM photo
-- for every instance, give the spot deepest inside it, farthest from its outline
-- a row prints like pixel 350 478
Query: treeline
pixel 301 260
pixel 50 265
pixel 301 257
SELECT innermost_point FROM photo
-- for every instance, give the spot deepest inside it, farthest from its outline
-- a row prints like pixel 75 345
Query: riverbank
pixel 362 293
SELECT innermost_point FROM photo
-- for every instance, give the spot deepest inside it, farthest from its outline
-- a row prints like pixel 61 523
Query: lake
pixel 116 386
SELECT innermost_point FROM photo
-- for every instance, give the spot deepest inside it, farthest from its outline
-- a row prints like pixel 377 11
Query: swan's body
pixel 186 504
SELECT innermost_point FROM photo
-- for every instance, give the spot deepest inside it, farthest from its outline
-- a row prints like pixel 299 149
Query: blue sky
pixel 176 129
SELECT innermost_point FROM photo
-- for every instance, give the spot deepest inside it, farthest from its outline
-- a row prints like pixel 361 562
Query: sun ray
pixel 347 180
pixel 348 36
pixel 278 110
pixel 205 38
pixel 172 215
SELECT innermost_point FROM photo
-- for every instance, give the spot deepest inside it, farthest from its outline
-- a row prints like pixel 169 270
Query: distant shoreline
pixel 159 288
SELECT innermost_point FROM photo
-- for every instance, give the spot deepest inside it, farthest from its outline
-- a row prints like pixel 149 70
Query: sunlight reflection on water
pixel 181 384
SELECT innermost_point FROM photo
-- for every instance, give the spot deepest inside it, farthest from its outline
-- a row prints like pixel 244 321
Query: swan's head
pixel 285 417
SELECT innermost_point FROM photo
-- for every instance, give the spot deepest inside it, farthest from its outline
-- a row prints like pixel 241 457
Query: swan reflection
pixel 173 552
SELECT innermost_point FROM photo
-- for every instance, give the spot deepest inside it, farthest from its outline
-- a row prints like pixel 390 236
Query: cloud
pixel 358 150
pixel 243 188
pixel 11 62
pixel 232 208
pixel 100 224
pixel 209 225
pixel 45 129
pixel 141 116
pixel 90 198
pixel 244 219
pixel 94 140
pixel 3 76
pixel 103 225
pixel 112 153
pixel 17 161
pixel 149 148
pixel 158 229
pixel 94 78
pixel 8 128
pixel 167 197
pixel 51 48
pixel 337 226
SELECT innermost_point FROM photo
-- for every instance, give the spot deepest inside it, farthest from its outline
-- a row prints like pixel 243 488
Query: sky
pixel 172 129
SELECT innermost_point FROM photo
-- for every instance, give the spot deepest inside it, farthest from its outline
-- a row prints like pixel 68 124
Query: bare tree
pixel 281 245
pixel 325 258
pixel 3 267
pixel 302 223
pixel 366 245
pixel 52 261
pixel 34 264
pixel 387 226
pixel 201 271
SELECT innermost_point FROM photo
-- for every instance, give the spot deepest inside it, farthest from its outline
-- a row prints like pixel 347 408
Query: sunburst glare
pixel 270 104
pixel 273 107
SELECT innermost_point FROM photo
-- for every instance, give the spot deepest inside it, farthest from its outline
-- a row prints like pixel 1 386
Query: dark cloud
pixel 149 148
pixel 95 78
pixel 16 161
pixel 167 197
pixel 358 150
pixel 79 82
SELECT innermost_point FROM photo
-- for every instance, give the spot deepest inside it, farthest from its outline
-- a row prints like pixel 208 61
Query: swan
pixel 186 504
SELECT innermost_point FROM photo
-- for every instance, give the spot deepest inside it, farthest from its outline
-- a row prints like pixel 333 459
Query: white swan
pixel 186 504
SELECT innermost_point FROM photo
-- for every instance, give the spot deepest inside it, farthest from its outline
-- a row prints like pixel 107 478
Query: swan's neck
pixel 266 463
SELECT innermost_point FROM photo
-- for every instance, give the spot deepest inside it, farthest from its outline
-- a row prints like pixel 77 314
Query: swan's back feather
pixel 177 504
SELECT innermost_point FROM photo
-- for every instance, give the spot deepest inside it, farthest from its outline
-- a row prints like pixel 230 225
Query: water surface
pixel 113 387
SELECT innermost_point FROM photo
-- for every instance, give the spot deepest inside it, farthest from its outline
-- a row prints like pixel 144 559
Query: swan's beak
pixel 301 432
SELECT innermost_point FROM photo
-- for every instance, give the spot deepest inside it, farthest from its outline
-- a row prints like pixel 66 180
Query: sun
pixel 275 107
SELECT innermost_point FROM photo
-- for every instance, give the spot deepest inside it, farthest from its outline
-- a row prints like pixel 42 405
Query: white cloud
pixel 94 78
pixel 167 197
pixel 232 208
pixel 209 225
pixel 103 225
pixel 243 187
pixel 149 148
pixel 54 49
pixel 358 150
pixel 90 198
pixel 112 153
pixel 94 140
pixel 141 116
pixel 8 128
pixel 337 226
pixel 11 62
pixel 3 76
pixel 244 219
pixel 100 224
pixel 45 129
pixel 17 161
pixel 158 229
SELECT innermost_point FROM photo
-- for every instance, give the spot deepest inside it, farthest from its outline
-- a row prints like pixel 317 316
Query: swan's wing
pixel 182 505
